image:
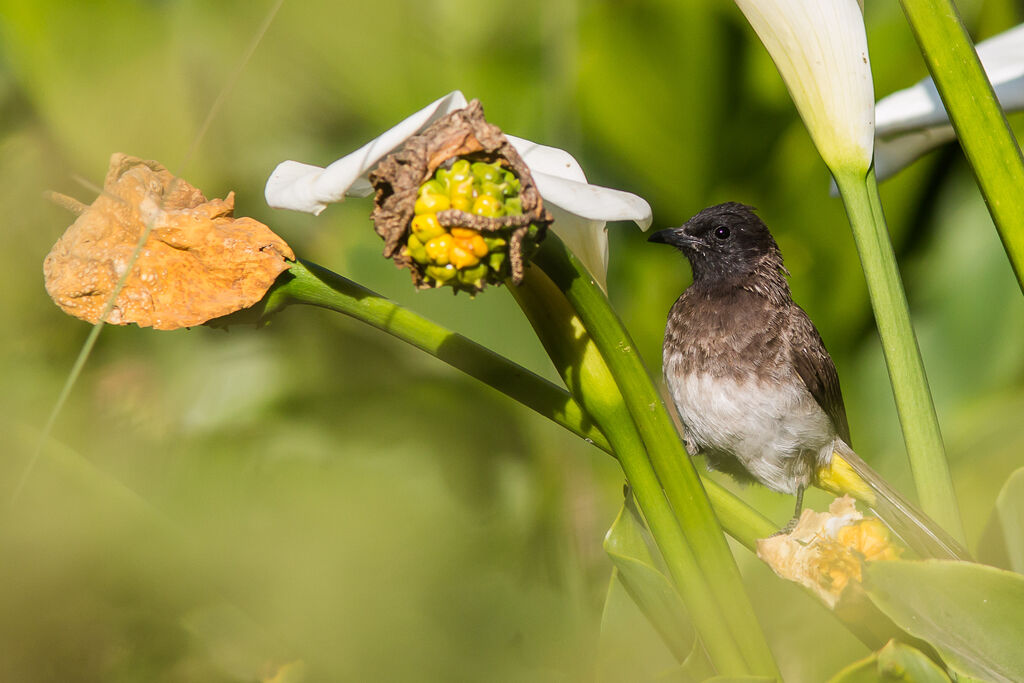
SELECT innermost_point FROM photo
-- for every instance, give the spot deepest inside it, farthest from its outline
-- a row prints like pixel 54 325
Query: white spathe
pixel 581 210
pixel 820 49
pixel 912 121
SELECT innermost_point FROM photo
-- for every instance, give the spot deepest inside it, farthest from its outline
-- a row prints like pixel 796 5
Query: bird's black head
pixel 725 243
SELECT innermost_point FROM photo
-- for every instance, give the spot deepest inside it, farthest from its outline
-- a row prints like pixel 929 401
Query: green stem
pixel 674 469
pixel 745 524
pixel 314 285
pixel 974 111
pixel 584 371
pixel 307 283
pixel 902 356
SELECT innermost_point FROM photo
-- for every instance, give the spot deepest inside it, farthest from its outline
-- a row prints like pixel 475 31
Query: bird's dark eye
pixel 722 232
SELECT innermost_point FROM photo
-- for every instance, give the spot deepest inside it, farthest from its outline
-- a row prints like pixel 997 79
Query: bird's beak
pixel 676 237
pixel 662 236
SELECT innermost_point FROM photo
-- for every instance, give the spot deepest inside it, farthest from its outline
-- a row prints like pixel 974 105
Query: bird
pixel 756 391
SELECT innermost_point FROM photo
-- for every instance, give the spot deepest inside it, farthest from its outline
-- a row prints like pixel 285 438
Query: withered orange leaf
pixel 198 263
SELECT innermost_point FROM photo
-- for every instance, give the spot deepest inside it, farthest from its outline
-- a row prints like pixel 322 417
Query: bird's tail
pixel 848 474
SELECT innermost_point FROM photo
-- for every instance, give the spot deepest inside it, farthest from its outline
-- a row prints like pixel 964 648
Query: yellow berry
pixel 473 277
pixel 486 205
pixel 441 273
pixel 485 172
pixel 432 187
pixel 425 227
pixel 437 249
pixel 492 189
pixel 462 188
pixel 462 203
pixel 460 170
pixel 496 260
pixel 414 249
pixel 431 203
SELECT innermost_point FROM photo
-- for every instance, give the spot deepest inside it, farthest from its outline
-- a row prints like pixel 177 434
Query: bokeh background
pixel 215 505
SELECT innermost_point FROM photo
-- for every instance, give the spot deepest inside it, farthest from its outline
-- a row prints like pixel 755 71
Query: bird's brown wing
pixel 816 369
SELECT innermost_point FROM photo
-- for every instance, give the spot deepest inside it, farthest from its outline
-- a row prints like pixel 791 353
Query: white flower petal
pixel 303 187
pixel 893 155
pixel 587 239
pixel 920 106
pixel 820 49
pixel 550 160
pixel 912 121
pixel 593 202
pixel 581 210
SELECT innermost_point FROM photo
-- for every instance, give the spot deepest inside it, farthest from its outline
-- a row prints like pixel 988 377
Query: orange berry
pixel 462 258
pixel 477 244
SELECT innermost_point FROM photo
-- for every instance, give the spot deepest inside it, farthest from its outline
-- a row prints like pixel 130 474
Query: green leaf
pixel 629 647
pixel 697 666
pixel 894 662
pixel 643 613
pixel 1010 510
pixel 972 614
pixel 636 568
pixel 862 671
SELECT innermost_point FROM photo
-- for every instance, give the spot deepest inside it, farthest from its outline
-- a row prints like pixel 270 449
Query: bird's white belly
pixel 776 431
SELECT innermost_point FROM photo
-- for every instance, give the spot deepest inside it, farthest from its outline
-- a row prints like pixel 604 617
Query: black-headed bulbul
pixel 756 391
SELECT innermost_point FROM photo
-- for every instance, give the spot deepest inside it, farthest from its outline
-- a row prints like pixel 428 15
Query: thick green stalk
pixel 902 356
pixel 671 463
pixel 584 370
pixel 974 111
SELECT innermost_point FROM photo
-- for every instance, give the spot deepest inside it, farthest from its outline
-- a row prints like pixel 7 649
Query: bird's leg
pixel 791 524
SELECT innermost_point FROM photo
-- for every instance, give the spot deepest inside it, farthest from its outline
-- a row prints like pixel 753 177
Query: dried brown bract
pixel 198 262
pixel 469 219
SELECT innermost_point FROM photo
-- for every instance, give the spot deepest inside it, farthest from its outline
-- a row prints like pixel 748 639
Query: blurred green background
pixel 214 505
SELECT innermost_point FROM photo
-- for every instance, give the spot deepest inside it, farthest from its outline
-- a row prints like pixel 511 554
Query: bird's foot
pixel 788 529
pixel 791 524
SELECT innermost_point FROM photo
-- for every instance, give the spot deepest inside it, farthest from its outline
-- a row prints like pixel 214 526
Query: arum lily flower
pixel 913 121
pixel 580 210
pixel 820 49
